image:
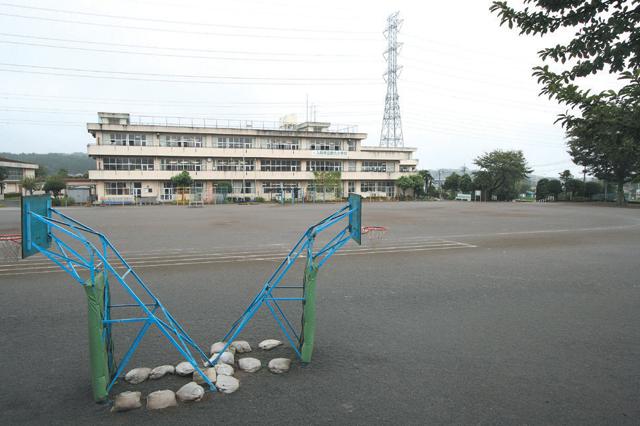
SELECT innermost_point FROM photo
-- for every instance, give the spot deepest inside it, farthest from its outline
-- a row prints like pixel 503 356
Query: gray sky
pixel 465 89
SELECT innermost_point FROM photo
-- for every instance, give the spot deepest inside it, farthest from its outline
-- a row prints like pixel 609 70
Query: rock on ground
pixel 223 369
pixel 161 399
pixel 209 372
pixel 227 384
pixel 241 346
pixel 217 347
pixel 250 365
pixel 190 392
pixel 162 371
pixel 269 344
pixel 126 401
pixel 279 365
pixel 137 375
pixel 184 368
pixel 226 357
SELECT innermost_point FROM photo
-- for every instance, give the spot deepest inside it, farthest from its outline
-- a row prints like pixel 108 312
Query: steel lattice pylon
pixel 391 135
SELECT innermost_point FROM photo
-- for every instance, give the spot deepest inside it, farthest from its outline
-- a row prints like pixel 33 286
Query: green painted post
pixel 98 356
pixel 309 312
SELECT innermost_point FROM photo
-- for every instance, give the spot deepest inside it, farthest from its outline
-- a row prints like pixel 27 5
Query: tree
pixel 404 183
pixel 182 179
pixel 574 187
pixel 41 172
pixel 605 136
pixel 500 172
pixel 554 187
pixel 482 181
pixel 466 183
pixel 224 187
pixel 3 176
pixel 542 189
pixel 592 188
pixel 328 181
pixel 452 183
pixel 54 184
pixel 428 180
pixel 606 139
pixel 418 185
pixel 62 172
pixel 29 184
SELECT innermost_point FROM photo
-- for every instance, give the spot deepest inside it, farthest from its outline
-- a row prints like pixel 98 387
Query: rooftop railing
pixel 214 123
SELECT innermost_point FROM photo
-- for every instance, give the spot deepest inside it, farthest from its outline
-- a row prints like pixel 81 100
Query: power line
pixel 146 46
pixel 219 77
pixel 169 30
pixel 167 21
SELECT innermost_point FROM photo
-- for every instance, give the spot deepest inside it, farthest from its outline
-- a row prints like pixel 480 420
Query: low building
pixel 136 159
pixel 16 171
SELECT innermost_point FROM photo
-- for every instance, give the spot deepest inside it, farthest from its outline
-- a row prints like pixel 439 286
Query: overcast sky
pixel 465 89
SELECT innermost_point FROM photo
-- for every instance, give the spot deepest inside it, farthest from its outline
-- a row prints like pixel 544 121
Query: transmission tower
pixel 391 135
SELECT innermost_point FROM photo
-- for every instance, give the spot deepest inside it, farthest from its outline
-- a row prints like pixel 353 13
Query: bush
pixel 63 201
pixel 259 200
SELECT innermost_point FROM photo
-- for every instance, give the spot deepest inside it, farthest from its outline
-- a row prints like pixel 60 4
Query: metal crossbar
pixel 304 248
pixel 103 257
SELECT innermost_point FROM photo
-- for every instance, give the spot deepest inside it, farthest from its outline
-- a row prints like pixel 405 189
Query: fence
pixel 10 247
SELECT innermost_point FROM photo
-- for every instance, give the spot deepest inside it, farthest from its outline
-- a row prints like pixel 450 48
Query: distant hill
pixel 74 163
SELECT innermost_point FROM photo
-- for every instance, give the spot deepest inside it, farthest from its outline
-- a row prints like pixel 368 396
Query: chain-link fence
pixel 10 247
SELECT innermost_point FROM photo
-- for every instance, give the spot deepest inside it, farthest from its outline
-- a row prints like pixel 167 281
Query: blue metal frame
pixel 304 248
pixel 102 257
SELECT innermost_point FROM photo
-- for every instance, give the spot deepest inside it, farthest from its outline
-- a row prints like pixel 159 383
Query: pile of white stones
pixel 221 375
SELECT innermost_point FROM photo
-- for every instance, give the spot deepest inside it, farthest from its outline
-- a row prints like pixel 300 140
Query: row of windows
pixel 180 165
pixel 14 173
pixel 280 165
pixel 247 187
pixel 196 141
pixel 189 141
pixel 234 164
pixel 127 163
pixel 128 139
pixel 239 164
pixel 324 166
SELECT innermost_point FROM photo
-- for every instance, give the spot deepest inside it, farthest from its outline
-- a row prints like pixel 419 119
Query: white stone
pixel 162 371
pixel 137 375
pixel 161 399
pixel 126 401
pixel 269 344
pixel 279 365
pixel 217 347
pixel 241 346
pixel 190 392
pixel 227 384
pixel 184 368
pixel 209 372
pixel 223 369
pixel 250 365
pixel 226 357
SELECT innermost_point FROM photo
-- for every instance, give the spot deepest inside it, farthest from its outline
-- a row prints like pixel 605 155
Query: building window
pixel 127 163
pixel 325 145
pixel 117 188
pixel 324 166
pixel 180 164
pixel 184 141
pixel 406 169
pixel 352 166
pixel 385 186
pixel 280 165
pixel 374 166
pixel 14 173
pixel 168 191
pixel 234 164
pixel 277 187
pixel 235 142
pixel 282 144
pixel 351 186
pixel 391 167
pixel 128 139
pixel 242 187
pixel 351 145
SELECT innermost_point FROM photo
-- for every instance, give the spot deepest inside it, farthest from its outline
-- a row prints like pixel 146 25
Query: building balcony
pixel 165 175
pixel 208 152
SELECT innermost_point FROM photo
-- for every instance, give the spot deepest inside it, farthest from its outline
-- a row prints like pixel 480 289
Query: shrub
pixel 259 200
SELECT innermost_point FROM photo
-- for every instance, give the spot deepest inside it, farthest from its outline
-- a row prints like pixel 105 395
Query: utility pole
pixel 391 134
pixel 584 184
